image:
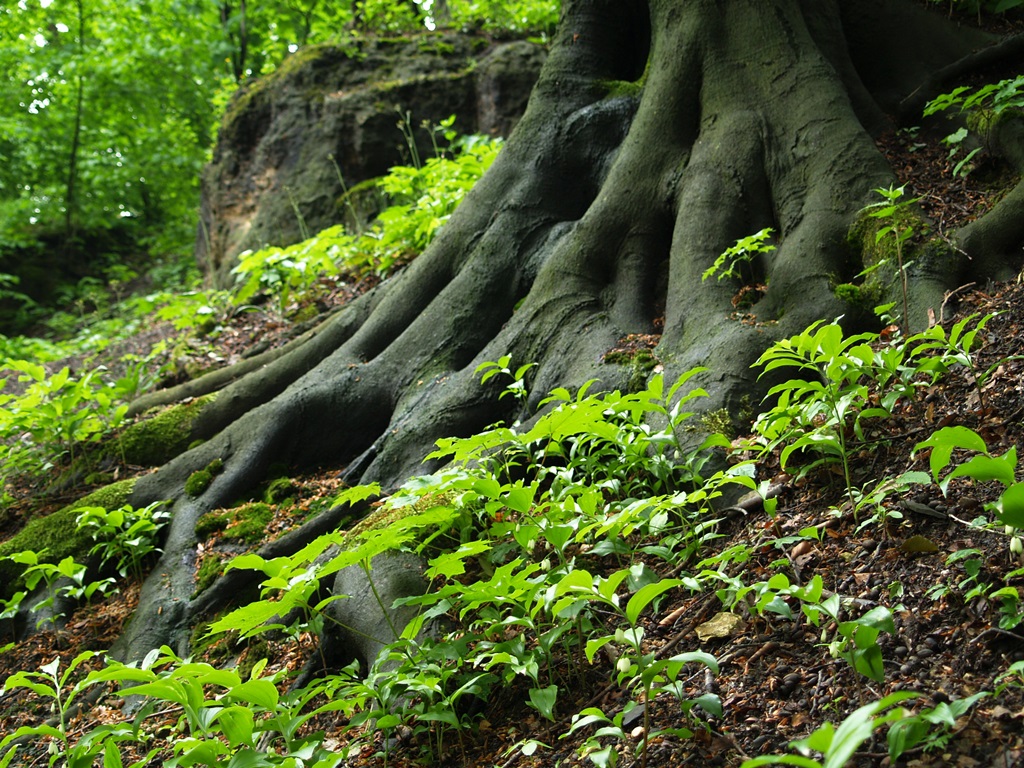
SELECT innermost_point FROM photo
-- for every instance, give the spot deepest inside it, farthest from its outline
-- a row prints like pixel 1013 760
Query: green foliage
pixel 813 415
pixel 1008 509
pixel 897 226
pixel 589 473
pixel 423 198
pixel 850 380
pixel 983 105
pixel 544 542
pixel 124 535
pixel 998 97
pixel 838 745
pixel 52 416
pixel 746 249
pixel 69 574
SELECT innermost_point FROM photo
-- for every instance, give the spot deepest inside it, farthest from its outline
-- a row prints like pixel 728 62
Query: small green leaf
pixel 543 700
pixel 645 595
pixel 1010 506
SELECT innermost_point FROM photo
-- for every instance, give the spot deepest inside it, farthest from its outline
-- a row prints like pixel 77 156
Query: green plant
pixel 53 415
pixel 285 273
pixel 984 105
pixel 838 745
pixel 516 506
pixel 743 252
pixel 37 569
pixel 125 535
pixel 51 683
pixel 893 214
pixel 873 498
pixel 918 731
pixel 956 347
pixel 814 414
pixel 422 197
pixel 856 640
pixel 641 670
pixel 1008 509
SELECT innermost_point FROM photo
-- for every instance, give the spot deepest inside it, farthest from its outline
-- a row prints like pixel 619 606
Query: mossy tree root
pixel 597 220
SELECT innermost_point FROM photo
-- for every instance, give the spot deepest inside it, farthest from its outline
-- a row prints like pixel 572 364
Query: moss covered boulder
pixel 291 143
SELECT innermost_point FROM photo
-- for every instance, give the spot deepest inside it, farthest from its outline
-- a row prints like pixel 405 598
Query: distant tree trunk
pixel 659 133
pixel 237 35
pixel 71 192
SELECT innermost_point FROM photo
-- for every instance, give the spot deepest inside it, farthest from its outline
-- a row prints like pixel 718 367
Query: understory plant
pixel 550 544
pixel 53 416
pixel 422 197
pixel 984 106
pixel 503 528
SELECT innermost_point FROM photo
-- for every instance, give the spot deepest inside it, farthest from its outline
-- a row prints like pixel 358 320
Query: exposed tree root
pixel 659 133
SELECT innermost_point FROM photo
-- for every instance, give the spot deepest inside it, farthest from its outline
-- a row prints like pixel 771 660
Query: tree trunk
pixel 70 189
pixel 658 134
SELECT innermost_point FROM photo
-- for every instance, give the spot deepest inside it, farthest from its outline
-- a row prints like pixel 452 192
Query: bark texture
pixel 658 134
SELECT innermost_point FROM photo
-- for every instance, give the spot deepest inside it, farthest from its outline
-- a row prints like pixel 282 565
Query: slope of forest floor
pixel 777 680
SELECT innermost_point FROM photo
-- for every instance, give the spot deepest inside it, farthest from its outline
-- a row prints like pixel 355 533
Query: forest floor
pixel 924 559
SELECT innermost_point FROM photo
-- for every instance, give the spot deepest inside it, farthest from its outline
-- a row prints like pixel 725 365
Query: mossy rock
pixel 158 439
pixel 57 533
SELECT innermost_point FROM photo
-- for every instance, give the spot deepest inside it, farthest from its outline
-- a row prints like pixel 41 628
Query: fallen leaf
pixel 720 625
pixel 916 545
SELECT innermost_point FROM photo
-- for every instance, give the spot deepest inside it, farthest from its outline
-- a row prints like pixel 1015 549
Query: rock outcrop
pixel 332 112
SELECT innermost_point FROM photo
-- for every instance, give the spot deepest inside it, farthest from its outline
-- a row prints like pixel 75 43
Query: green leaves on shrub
pixel 422 199
pixel 983 467
pixel 52 416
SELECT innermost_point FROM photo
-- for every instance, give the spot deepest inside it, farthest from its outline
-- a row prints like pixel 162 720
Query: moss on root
pixel 158 439
pixel 200 480
pixel 248 522
pixel 211 568
pixel 57 533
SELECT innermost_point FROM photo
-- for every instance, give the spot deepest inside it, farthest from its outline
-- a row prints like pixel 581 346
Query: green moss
pixel 211 648
pixel 382 517
pixel 210 569
pixel 279 490
pixel 247 523
pixel 57 533
pixel 432 45
pixel 160 438
pixel 719 421
pixel 616 88
pixel 867 296
pixel 198 482
pixel 641 362
pixel 257 650
pixel 255 89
